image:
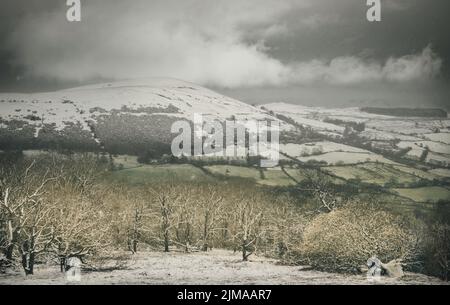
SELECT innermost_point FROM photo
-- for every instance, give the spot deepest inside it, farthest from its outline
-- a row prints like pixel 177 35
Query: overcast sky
pixel 314 52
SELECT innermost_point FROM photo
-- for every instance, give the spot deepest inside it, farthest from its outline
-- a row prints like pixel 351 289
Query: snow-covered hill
pixel 114 114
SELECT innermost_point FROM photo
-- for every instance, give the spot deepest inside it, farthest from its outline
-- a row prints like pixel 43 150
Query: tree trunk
pixel 62 263
pixel 28 256
pixel 132 245
pixel 165 225
pixel 205 233
pixel 28 262
pixel 166 241
pixel 244 251
pixel 12 237
pixel 135 244
pixel 9 252
pixel 187 234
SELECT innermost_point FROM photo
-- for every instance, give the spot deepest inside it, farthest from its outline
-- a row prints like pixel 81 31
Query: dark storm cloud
pixel 325 30
pixel 242 45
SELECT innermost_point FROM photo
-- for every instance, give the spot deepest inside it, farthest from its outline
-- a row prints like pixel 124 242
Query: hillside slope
pixel 123 117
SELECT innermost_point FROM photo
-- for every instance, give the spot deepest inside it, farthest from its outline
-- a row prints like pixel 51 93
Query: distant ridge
pixel 407 112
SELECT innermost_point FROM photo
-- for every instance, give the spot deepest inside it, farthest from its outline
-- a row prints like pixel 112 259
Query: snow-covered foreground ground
pixel 215 267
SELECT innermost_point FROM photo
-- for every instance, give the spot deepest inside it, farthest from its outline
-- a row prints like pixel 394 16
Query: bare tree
pixel 248 221
pixel 286 226
pixel 37 232
pixel 439 246
pixel 210 206
pixel 167 199
pixel 24 211
pixel 82 227
pixel 185 218
pixel 134 231
pixel 319 184
pixel 137 219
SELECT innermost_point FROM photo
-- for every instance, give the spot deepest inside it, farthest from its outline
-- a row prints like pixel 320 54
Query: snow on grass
pixel 219 267
pixel 438 159
pixel 409 126
pixel 443 137
pixel 374 134
pixel 378 127
pixel 435 146
pixel 338 113
pixel 79 105
pixel 416 150
pixel 316 124
pixel 36 112
pixel 298 150
pixel 304 116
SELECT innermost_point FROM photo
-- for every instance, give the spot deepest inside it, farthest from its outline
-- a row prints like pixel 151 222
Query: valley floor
pixel 214 267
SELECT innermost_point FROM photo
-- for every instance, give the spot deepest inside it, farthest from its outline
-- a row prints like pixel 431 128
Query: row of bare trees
pixel 56 208
pixel 197 217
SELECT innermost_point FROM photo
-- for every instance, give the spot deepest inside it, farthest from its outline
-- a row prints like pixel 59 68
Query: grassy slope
pixel 374 173
pixel 160 173
pixel 428 194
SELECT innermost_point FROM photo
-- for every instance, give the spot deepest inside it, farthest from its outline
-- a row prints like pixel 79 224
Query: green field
pixel 380 174
pixel 160 173
pixel 142 174
pixel 417 172
pixel 430 194
pixel 374 173
pixel 126 161
pixel 268 176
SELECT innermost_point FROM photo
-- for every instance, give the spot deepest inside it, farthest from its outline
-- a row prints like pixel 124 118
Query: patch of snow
pixel 298 150
pixel 218 267
pixel 443 137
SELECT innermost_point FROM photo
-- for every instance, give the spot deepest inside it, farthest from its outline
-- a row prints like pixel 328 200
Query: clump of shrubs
pixel 345 238
pixel 436 251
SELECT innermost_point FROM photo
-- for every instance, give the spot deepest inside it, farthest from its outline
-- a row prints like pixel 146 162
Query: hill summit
pixel 120 117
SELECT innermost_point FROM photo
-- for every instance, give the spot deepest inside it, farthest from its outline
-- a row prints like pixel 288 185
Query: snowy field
pixel 215 267
pixel 443 137
pixel 418 134
pixel 378 127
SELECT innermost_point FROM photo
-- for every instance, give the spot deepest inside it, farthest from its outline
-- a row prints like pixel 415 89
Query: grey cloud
pixel 305 51
pixel 195 41
pixel 350 70
pixel 188 40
